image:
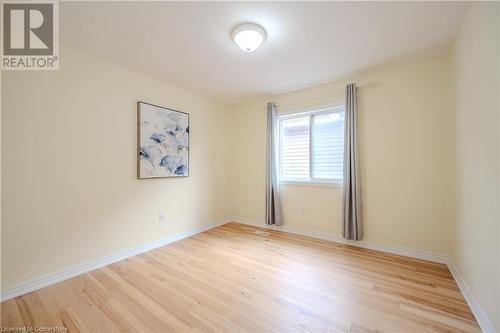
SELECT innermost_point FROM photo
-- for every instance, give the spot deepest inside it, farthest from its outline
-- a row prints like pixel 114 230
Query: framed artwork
pixel 162 142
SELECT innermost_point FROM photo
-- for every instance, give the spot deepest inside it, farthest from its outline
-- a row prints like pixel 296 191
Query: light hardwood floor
pixel 229 279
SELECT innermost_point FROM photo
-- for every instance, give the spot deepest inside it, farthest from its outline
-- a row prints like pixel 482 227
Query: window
pixel 311 146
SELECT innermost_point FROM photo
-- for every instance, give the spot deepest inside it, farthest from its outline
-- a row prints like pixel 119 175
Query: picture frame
pixel 163 143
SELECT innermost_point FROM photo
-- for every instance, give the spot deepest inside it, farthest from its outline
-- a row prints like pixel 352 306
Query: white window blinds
pixel 328 145
pixel 295 148
pixel 312 146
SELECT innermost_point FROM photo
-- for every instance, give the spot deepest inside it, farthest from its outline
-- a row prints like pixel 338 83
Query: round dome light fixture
pixel 249 36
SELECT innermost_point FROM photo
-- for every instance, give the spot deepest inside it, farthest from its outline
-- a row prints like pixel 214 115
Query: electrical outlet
pixel 161 218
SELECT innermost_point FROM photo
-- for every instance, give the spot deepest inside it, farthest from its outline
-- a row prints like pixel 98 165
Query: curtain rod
pixel 367 85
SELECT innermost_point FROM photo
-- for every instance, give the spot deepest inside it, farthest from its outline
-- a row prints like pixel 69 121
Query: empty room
pixel 250 166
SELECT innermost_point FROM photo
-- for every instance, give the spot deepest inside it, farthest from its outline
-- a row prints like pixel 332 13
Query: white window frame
pixel 311 179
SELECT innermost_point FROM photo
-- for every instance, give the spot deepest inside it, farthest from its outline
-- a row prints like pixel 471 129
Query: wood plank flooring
pixel 229 279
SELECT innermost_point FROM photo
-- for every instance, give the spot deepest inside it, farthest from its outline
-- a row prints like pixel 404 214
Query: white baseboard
pixel 53 278
pixel 402 251
pixel 482 320
pixel 476 309
pixel 50 279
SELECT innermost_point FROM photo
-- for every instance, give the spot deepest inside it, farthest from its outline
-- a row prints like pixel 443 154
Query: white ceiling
pixel 189 43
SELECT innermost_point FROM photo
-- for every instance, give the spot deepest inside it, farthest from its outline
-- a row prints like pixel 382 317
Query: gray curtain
pixel 352 227
pixel 273 208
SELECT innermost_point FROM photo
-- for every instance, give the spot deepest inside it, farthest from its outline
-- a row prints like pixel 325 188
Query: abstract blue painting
pixel 163 142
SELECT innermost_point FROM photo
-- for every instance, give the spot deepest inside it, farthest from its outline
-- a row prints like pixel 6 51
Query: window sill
pixel 329 183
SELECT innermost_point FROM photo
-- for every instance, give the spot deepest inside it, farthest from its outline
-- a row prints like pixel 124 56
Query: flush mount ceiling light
pixel 249 36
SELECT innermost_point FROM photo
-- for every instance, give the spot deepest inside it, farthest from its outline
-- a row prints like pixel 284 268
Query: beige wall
pixel 0 175
pixel 430 154
pixel 70 193
pixel 405 131
pixel 475 77
pixel 430 157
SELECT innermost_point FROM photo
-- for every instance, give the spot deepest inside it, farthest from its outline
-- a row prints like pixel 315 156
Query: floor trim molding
pixel 68 273
pixel 403 251
pixel 53 278
pixel 476 309
pixel 482 320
